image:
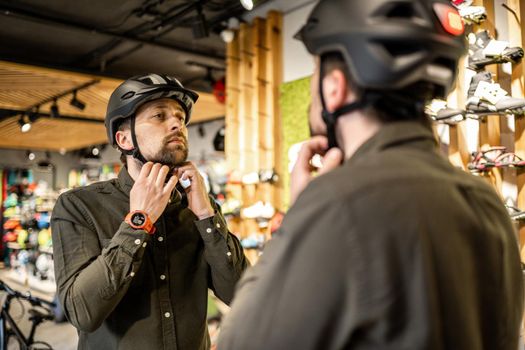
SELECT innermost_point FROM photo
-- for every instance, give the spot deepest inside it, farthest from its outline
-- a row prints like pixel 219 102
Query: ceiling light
pixel 54 110
pixel 233 23
pixel 75 102
pixel 25 125
pixel 247 4
pixel 227 35
pixel 30 155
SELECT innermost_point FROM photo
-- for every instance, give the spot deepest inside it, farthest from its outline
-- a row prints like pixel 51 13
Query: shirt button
pixel 208 230
pixel 144 245
pixel 167 315
pixel 163 277
pixel 132 273
pixel 137 241
pixel 229 253
pixel 160 238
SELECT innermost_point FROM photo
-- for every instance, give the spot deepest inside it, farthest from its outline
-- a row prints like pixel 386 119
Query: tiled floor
pixel 61 336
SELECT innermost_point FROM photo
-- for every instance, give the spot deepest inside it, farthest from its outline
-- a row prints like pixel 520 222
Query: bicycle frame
pixel 8 326
pixel 5 332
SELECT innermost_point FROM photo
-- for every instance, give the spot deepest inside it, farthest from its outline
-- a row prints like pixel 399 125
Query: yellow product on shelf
pixel 44 238
pixel 22 238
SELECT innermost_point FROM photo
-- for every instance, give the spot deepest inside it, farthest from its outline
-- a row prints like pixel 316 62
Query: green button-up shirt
pixel 124 289
pixel 395 249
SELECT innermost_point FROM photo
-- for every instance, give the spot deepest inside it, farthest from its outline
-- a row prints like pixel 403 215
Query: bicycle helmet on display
pixel 387 45
pixel 136 91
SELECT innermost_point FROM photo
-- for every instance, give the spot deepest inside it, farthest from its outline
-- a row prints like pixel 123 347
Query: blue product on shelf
pixel 43 220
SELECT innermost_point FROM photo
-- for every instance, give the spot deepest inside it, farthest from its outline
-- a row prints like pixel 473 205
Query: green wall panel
pixel 294 101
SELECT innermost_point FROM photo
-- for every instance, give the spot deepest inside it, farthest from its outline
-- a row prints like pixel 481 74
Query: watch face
pixel 138 219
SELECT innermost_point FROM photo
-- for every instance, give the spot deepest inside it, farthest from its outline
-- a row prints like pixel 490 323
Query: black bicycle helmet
pixel 388 45
pixel 136 91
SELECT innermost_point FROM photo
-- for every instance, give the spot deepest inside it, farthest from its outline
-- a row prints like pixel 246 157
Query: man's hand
pixel 151 192
pixel 302 172
pixel 198 200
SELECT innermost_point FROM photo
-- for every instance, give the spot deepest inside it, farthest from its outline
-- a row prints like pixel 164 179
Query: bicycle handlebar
pixel 35 301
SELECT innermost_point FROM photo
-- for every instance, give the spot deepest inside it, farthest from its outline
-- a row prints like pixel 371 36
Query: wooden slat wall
pixel 232 137
pixel 22 86
pixel 233 89
pixel 252 115
pixel 517 38
pixel 51 134
pixel 274 59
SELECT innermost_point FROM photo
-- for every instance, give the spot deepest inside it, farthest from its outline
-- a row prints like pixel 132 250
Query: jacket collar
pixel 396 134
pixel 126 183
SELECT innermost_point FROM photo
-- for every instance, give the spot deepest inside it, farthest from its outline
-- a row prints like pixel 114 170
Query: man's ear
pixel 335 90
pixel 123 139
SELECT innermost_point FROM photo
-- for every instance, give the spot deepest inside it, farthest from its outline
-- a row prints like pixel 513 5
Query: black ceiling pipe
pixel 34 16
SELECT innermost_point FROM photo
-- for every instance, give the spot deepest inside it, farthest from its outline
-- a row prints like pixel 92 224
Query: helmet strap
pixel 135 152
pixel 330 118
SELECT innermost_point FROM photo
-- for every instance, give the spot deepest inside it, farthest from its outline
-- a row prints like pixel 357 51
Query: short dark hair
pixel 123 125
pixel 388 106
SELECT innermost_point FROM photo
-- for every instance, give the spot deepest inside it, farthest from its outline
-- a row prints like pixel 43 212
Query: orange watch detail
pixel 140 220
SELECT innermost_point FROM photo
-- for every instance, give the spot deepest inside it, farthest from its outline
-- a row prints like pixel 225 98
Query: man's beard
pixel 169 156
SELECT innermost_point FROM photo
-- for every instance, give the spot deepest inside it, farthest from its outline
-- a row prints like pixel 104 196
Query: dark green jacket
pixel 395 249
pixel 125 289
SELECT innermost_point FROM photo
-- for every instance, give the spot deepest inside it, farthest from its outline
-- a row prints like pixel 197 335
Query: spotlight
pixel 233 23
pixel 30 155
pixel 75 102
pixel 227 35
pixel 247 4
pixel 25 125
pixel 54 110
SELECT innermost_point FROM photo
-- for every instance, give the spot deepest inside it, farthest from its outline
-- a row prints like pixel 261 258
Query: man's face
pixel 161 132
pixel 317 126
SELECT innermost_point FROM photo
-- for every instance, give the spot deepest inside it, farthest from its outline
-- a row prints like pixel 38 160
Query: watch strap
pixel 146 226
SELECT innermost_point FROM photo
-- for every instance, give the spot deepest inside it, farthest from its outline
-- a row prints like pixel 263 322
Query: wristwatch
pixel 139 220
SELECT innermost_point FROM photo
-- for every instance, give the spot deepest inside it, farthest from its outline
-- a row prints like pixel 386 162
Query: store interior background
pixel 55 168
pixel 200 137
pixel 295 70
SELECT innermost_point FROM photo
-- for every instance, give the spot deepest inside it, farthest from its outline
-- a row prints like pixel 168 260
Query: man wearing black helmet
pixel 135 256
pixel 394 248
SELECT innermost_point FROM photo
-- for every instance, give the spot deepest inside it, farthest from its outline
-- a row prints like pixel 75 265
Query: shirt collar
pixel 394 134
pixel 126 183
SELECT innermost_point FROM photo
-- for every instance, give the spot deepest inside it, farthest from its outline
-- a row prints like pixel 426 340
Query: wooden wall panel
pixel 274 70
pixel 23 86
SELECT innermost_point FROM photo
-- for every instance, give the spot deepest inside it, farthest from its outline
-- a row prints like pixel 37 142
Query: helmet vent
pixel 127 95
pixel 444 62
pixel 401 10
pixel 396 49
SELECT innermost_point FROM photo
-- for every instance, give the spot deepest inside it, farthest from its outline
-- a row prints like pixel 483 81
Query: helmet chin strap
pixel 135 152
